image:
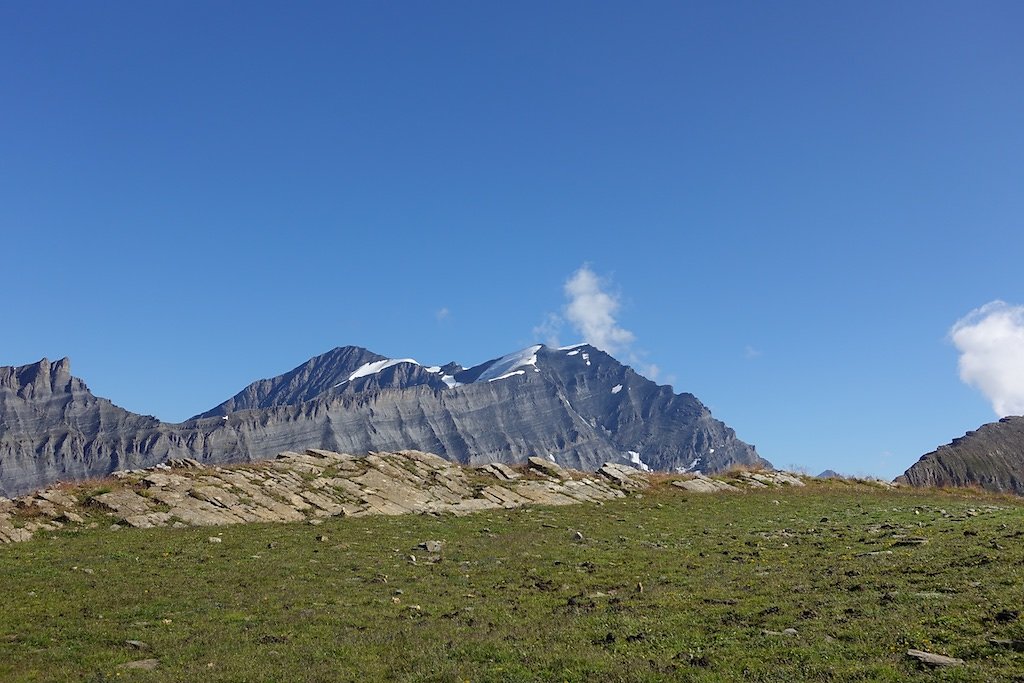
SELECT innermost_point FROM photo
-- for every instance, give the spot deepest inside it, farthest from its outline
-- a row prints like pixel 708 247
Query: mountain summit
pixel 577 406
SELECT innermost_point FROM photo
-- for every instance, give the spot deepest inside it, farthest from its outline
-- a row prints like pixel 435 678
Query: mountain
pixel 578 406
pixel 53 428
pixel 991 457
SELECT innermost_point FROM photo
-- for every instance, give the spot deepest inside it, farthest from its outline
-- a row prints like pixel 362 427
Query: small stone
pixel 215 539
pixel 431 546
pixel 323 538
pixel 784 632
pixel 137 644
pixel 315 522
pixel 411 559
pixel 577 536
pixel 1015 645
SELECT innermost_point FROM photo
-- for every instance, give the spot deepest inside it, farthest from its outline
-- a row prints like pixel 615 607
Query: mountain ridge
pixel 576 405
pixel 991 456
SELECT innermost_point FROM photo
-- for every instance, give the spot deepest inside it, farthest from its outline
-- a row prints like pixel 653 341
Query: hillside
pixel 837 580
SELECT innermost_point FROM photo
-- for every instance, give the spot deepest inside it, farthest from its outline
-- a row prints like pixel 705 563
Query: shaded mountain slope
pixel 991 457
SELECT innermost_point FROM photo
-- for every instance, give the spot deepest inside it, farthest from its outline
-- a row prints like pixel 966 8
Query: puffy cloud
pixel 591 310
pixel 990 340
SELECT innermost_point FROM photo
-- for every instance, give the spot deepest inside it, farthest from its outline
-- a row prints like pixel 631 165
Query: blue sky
pixel 792 203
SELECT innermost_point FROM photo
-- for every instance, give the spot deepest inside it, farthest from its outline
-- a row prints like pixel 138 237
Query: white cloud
pixel 591 311
pixel 549 329
pixel 750 353
pixel 990 340
pixel 442 314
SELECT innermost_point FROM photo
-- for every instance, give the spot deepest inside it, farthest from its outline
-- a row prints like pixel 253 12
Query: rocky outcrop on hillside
pixel 311 486
pixel 991 457
pixel 577 406
pixel 307 487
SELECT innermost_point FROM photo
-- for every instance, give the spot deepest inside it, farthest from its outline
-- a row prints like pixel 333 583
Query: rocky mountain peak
pixel 38 380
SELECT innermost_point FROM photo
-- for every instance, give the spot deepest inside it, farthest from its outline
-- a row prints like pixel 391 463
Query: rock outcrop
pixel 578 407
pixel 316 484
pixel 991 457
pixel 306 487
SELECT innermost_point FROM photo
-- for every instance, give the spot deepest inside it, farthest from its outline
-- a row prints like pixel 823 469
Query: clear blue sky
pixel 794 201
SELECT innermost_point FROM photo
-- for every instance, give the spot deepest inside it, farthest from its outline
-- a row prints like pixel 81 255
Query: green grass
pixel 514 598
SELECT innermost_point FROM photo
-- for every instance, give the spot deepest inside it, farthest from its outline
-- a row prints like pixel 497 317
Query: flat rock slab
pixel 624 475
pixel 932 659
pixel 701 484
pixel 124 502
pixel 545 467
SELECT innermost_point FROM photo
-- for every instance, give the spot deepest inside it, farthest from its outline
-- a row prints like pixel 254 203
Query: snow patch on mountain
pixel 634 458
pixel 617 388
pixel 447 379
pixel 375 367
pixel 507 375
pixel 689 468
pixel 506 364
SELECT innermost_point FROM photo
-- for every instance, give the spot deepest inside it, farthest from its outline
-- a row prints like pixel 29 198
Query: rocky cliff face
pixel 53 428
pixel 991 457
pixel 578 407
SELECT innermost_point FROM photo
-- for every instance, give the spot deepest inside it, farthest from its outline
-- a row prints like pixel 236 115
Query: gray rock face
pixel 53 428
pixel 991 457
pixel 578 406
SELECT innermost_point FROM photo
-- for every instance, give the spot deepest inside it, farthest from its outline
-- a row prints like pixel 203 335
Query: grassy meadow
pixel 667 585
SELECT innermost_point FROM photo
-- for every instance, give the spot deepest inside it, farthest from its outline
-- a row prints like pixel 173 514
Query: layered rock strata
pixel 577 406
pixel 991 457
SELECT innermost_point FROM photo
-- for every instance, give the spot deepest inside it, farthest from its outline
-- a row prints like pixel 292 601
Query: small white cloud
pixel 990 340
pixel 591 311
pixel 650 370
pixel 442 314
pixel 750 353
pixel 549 329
